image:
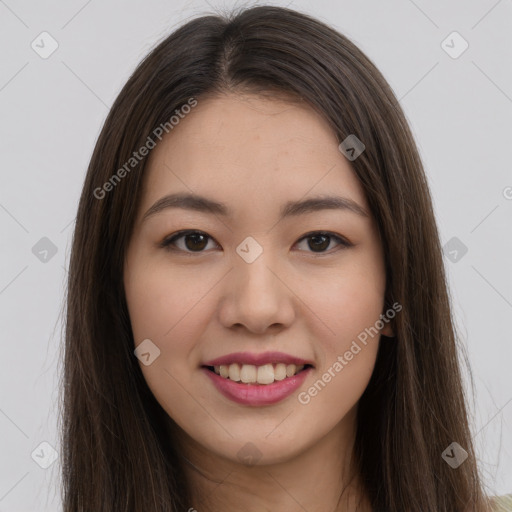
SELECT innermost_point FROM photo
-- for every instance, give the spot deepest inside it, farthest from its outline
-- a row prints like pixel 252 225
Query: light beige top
pixel 502 503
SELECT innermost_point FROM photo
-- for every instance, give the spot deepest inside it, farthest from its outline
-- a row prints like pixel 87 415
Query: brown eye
pixel 194 241
pixel 320 241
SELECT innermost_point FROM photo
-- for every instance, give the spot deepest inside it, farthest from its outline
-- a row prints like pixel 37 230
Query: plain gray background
pixel 459 108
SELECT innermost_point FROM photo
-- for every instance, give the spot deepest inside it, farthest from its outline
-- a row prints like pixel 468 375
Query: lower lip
pixel 257 394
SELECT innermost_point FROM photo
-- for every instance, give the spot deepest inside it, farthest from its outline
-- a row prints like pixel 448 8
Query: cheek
pixel 347 349
pixel 171 308
pixel 161 301
pixel 347 303
pixel 165 306
pixel 346 309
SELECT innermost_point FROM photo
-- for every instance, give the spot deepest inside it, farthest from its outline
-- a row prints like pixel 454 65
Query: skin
pixel 255 154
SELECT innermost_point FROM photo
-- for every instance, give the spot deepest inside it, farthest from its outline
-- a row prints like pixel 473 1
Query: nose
pixel 257 296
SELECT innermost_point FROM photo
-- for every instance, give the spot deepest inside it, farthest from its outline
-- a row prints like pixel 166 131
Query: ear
pixel 387 330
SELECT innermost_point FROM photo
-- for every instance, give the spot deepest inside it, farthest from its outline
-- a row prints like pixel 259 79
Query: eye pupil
pixel 323 246
pixel 195 236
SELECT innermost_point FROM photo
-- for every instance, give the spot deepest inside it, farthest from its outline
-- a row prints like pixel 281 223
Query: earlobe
pixel 388 330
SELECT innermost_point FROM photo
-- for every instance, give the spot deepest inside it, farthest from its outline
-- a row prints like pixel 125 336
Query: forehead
pixel 250 151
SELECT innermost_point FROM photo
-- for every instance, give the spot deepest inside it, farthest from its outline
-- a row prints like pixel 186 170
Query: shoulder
pixel 502 503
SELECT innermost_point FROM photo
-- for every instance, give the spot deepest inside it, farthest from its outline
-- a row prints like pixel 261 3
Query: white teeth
pixel 234 372
pixel 290 370
pixel 265 374
pixel 250 374
pixel 280 371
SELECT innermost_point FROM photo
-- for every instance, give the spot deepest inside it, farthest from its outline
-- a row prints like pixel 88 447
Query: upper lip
pixel 257 359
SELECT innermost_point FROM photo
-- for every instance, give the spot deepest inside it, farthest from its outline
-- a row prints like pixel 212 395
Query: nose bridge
pixel 253 274
pixel 257 296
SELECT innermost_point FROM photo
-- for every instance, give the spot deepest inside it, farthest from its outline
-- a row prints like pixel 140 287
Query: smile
pixel 254 393
pixel 252 374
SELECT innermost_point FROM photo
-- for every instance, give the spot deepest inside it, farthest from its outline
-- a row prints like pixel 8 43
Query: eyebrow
pixel 202 204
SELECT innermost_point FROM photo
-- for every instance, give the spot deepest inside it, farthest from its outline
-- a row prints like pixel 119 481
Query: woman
pixel 258 316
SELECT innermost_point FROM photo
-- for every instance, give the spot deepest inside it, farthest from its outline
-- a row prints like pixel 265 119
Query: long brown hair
pixel 117 454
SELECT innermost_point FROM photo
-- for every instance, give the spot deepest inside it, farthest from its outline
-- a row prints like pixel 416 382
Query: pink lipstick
pixel 257 379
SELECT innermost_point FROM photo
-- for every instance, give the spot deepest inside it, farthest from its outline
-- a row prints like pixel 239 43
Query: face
pixel 254 275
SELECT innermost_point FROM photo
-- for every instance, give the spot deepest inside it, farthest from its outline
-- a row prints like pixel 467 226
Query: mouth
pixel 258 375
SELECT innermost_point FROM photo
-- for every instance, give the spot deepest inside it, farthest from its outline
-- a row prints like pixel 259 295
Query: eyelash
pixel 168 242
